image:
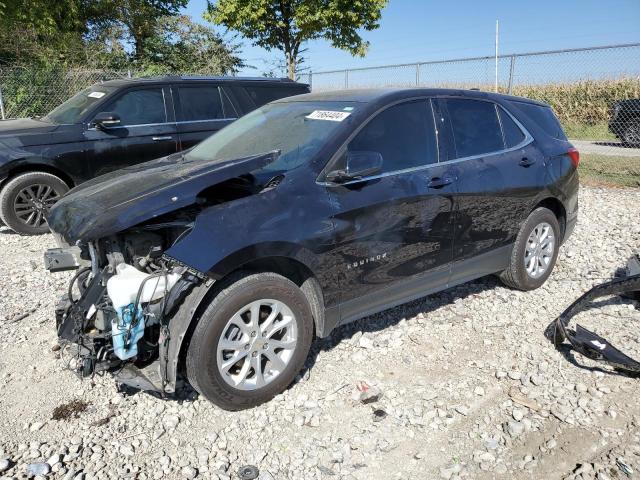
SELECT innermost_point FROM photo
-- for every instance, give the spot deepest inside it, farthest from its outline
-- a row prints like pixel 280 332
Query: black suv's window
pixel 201 103
pixel 403 134
pixel 263 94
pixel 512 133
pixel 79 105
pixel 475 126
pixel 140 107
pixel 544 118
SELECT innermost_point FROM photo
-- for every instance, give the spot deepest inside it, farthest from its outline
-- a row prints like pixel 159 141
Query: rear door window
pixel 200 103
pixel 140 107
pixel 511 131
pixel 403 134
pixel 544 118
pixel 475 127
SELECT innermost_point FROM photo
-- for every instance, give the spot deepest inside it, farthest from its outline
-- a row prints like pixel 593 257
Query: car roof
pixel 383 95
pixel 121 82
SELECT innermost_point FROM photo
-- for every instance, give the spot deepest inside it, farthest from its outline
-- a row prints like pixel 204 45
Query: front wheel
pixel 250 341
pixel 534 252
pixel 26 199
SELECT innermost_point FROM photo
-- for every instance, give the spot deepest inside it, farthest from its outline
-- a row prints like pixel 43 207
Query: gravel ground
pixel 463 384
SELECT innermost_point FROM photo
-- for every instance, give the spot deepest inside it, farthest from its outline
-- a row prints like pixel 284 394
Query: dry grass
pixel 607 170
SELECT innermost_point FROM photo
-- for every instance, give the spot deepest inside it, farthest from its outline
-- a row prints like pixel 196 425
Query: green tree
pixel 140 17
pixel 39 29
pixel 179 45
pixel 286 24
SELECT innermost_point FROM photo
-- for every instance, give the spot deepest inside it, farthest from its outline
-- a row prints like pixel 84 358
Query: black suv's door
pixel 202 110
pixel 147 131
pixel 499 175
pixel 394 229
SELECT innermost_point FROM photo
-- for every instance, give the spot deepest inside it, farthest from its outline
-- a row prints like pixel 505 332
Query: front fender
pixel 269 224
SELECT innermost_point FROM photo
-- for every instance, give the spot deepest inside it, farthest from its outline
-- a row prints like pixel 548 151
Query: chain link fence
pixel 35 91
pixel 594 91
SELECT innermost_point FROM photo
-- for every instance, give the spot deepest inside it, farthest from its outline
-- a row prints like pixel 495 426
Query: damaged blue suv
pixel 218 265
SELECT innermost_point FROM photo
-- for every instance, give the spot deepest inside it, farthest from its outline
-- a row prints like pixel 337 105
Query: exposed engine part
pixel 588 343
pixel 129 289
pixel 115 314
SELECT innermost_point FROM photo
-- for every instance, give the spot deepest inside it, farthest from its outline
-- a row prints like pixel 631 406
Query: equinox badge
pixel 364 261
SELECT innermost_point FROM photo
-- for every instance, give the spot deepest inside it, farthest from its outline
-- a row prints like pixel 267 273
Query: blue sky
pixel 422 30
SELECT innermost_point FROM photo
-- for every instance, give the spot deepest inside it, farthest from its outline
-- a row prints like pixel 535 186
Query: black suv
pixel 310 212
pixel 625 121
pixel 112 125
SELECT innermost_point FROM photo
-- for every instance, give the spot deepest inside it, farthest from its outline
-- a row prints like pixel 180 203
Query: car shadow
pixel 393 316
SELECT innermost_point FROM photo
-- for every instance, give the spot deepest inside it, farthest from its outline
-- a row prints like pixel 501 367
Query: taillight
pixel 575 156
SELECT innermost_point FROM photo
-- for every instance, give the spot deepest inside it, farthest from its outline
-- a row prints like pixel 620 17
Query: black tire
pixel 51 186
pixel 516 275
pixel 201 359
pixel 631 134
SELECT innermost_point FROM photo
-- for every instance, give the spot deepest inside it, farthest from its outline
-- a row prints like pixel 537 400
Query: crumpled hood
pixel 119 200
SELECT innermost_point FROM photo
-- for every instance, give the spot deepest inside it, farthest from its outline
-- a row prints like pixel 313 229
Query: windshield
pixel 297 129
pixel 75 108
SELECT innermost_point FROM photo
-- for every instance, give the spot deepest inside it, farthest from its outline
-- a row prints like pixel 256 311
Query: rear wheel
pixel 534 252
pixel 26 199
pixel 631 134
pixel 250 342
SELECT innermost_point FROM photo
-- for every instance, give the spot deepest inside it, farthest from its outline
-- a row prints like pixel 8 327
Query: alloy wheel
pixel 257 344
pixel 33 202
pixel 539 250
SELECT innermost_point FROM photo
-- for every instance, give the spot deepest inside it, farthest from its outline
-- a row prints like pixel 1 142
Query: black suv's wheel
pixel 250 342
pixel 534 252
pixel 631 134
pixel 25 201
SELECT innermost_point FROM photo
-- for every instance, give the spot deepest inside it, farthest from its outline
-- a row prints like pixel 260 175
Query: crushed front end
pixel 129 304
pixel 119 303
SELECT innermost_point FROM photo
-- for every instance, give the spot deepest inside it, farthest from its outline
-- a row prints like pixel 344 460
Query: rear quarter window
pixel 512 133
pixel 544 118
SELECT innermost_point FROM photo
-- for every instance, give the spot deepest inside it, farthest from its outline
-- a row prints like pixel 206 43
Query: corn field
pixel 587 102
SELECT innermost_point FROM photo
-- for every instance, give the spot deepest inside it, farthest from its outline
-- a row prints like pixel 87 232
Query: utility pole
pixel 496 83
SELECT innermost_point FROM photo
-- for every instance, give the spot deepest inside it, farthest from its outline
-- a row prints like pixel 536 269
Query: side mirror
pixel 359 164
pixel 105 120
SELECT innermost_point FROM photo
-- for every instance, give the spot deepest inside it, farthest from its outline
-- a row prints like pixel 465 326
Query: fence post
pixel 513 62
pixel 417 74
pixel 1 105
pixel 346 78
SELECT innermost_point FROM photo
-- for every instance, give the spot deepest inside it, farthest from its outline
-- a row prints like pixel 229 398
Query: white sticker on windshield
pixel 328 115
pixel 96 94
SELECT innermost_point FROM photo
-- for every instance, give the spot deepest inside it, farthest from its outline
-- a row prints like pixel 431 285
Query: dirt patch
pixel 69 410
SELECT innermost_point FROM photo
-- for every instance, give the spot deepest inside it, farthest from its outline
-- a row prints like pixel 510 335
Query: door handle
pixel 439 182
pixel 159 139
pixel 527 162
